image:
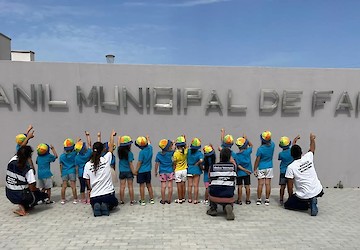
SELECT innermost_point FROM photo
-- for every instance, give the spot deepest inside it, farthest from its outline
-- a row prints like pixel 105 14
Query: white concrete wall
pixel 5 47
pixel 337 133
pixel 23 56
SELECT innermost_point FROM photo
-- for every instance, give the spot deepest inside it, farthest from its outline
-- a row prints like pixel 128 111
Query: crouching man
pixel 222 178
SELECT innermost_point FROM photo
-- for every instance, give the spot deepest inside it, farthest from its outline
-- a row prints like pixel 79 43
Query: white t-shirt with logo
pixel 306 182
pixel 100 182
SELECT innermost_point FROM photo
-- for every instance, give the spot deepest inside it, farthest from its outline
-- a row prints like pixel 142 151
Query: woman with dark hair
pixel 21 183
pixel 98 176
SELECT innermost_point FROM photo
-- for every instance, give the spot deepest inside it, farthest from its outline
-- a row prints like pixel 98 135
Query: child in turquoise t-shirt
pixel 68 169
pixel 43 160
pixel 143 168
pixel 164 167
pixel 263 167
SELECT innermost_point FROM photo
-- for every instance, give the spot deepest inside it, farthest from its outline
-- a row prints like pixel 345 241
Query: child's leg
pixel 73 187
pixel 48 192
pixel 163 187
pixel 183 190
pixel 179 190
pixel 190 180
pixel 170 190
pixel 282 191
pixel 122 189
pixel 206 194
pixel 268 187
pixel 240 193
pixel 196 187
pixel 82 188
pixel 63 189
pixel 142 191
pixel 260 187
pixel 150 190
pixel 247 191
pixel 131 189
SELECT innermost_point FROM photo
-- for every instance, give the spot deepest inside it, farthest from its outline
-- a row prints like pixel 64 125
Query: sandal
pixel 189 200
pixel 247 202
pixel 168 202
pixel 196 202
pixel 162 202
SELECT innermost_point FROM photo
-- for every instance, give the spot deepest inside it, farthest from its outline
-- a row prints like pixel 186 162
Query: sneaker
pixel 122 202
pixel 248 202
pixel 152 201
pixel 206 202
pixel 267 202
pixel 229 212
pixel 49 202
pixel 63 202
pixel 313 206
pixel 97 209
pixel 104 209
pixel 258 202
pixel 142 203
pixel 162 202
pixel 211 212
pixel 75 202
pixel 132 203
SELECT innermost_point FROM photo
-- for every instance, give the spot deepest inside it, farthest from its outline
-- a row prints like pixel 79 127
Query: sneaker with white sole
pixel 267 202
pixel 152 201
pixel 258 202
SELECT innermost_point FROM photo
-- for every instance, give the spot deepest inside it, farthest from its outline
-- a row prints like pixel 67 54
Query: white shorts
pixel 180 176
pixel 267 173
pixel 45 183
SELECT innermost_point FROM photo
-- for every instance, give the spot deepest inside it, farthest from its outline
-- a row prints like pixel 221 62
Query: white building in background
pixel 5 47
pixel 23 56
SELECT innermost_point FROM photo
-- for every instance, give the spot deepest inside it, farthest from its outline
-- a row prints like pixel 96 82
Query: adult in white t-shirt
pixel 301 173
pixel 97 173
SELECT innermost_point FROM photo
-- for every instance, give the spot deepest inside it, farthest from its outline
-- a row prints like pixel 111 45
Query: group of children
pixel 175 161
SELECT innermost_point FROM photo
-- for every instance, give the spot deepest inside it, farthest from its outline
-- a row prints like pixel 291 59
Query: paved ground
pixel 184 226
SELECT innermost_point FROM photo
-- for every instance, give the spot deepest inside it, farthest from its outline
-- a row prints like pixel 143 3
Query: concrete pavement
pixel 184 226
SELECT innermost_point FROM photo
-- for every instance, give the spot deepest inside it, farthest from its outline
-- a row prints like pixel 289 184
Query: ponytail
pixel 98 147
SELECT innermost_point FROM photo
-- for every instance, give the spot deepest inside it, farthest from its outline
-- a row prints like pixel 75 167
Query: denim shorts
pixel 144 178
pixel 69 177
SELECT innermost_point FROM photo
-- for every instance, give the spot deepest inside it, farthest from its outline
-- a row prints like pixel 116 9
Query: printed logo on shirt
pixel 305 166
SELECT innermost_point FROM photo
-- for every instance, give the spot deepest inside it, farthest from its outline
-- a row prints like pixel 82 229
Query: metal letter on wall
pixel 290 97
pixel 92 99
pixel 344 102
pixel 269 94
pixel 51 103
pixel 192 95
pixel 213 102
pixel 4 100
pixel 163 98
pixel 319 98
pixel 232 107
pixel 19 92
pixel 357 103
pixel 127 95
pixel 114 105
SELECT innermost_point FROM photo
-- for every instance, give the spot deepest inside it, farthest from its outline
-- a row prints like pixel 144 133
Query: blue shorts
pixel 126 175
pixel 144 178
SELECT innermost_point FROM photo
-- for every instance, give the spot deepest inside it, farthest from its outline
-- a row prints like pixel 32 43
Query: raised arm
pixel 99 136
pixel 312 143
pixel 88 139
pixel 54 151
pixel 111 141
pixel 29 135
pixel 222 134
pixel 296 139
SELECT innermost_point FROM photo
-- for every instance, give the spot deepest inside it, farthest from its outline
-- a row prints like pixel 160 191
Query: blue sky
pixel 292 33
